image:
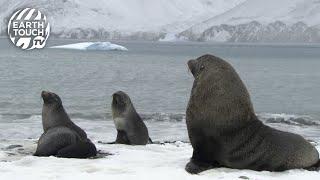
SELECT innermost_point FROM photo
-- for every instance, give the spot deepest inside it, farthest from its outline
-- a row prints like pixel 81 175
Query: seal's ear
pixel 57 98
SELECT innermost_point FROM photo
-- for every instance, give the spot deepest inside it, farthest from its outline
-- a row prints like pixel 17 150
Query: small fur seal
pixel 130 127
pixel 61 137
pixel 225 132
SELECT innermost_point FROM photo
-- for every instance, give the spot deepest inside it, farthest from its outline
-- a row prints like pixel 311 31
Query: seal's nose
pixel 44 94
pixel 116 96
pixel 192 65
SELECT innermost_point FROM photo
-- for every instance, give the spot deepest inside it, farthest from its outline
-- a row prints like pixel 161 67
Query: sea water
pixel 283 81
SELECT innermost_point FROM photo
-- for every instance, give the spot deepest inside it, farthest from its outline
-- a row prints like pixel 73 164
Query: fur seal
pixel 130 127
pixel 225 132
pixel 61 136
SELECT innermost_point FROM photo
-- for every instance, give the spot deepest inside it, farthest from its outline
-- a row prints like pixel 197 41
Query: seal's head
pixel 209 66
pixel 217 92
pixel 51 99
pixel 121 103
pixel 53 113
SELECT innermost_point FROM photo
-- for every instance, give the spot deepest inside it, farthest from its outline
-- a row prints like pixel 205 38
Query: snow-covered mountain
pixel 200 20
pixel 262 21
pixel 256 32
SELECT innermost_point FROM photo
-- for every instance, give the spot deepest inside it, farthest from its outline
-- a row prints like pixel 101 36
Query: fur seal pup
pixel 61 136
pixel 225 132
pixel 130 127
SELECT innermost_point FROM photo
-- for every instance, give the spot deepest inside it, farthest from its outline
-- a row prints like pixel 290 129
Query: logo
pixel 28 29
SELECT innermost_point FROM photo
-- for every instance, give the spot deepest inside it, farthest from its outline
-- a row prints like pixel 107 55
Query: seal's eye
pixel 201 67
pixel 56 99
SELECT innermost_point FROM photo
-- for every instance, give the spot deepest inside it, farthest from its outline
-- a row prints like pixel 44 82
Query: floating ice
pixel 104 46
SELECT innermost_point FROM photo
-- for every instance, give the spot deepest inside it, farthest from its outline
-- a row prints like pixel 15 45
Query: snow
pixel 154 19
pixel 105 46
pixel 123 15
pixel 287 11
pixel 221 36
pixel 171 37
pixel 137 162
pixel 154 161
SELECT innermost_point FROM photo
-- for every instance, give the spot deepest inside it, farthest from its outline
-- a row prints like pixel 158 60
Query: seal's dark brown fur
pixel 61 137
pixel 130 127
pixel 224 130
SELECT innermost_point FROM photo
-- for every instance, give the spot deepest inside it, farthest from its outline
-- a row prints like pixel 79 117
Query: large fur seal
pixel 130 127
pixel 61 136
pixel 225 132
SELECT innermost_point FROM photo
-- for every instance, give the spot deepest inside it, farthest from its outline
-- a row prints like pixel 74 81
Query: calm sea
pixel 283 80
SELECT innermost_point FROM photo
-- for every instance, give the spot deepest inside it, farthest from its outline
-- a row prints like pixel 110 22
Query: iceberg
pixel 103 46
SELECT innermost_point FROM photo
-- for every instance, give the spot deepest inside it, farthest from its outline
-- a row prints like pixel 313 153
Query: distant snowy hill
pixel 254 31
pixel 197 20
pixel 262 21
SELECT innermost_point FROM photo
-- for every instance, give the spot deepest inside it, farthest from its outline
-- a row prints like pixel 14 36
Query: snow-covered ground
pixel 154 161
pixel 138 162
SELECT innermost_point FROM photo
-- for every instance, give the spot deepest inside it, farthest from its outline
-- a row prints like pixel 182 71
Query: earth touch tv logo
pixel 28 29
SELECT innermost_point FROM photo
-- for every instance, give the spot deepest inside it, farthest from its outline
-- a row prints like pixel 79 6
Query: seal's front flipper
pixel 122 138
pixel 55 139
pixel 195 167
pixel 315 167
pixel 79 150
pixel 150 141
